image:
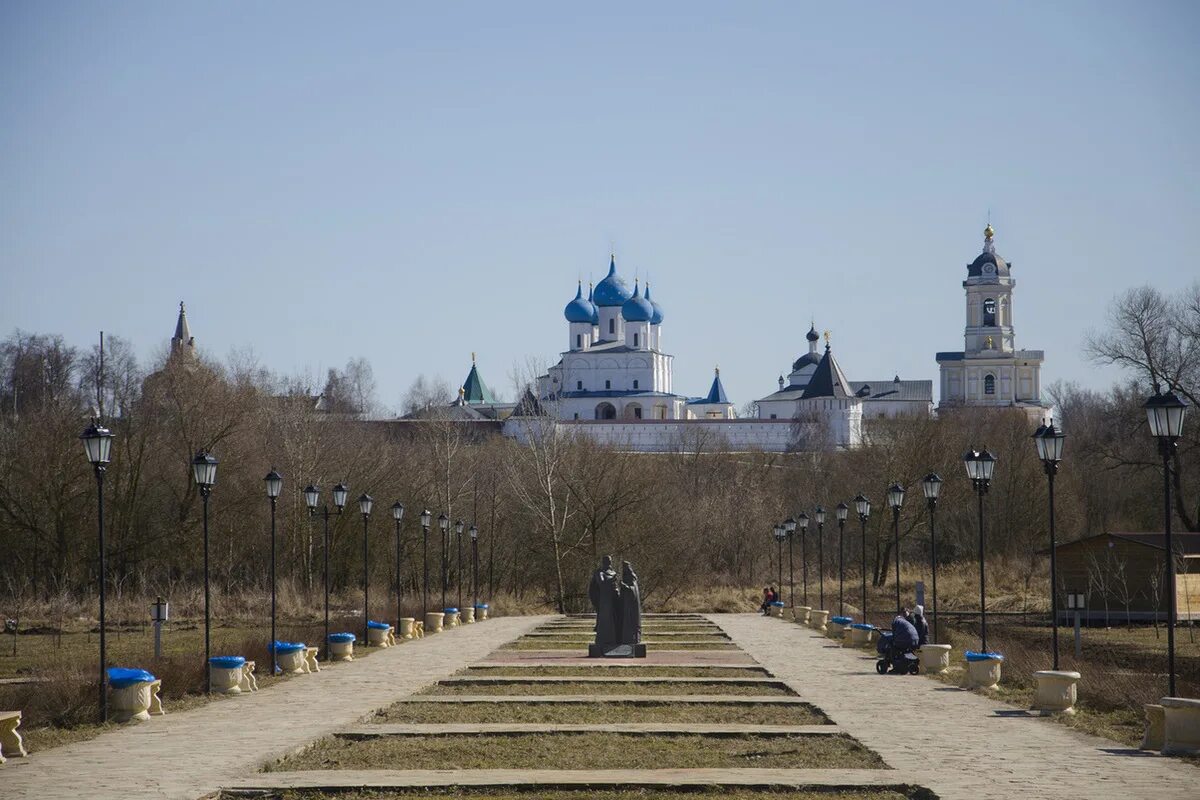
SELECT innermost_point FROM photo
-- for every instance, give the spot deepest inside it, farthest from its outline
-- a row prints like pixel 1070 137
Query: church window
pixel 773 416
pixel 635 383
pixel 606 411
pixel 579 385
pixel 576 415
pixel 608 384
pixel 578 341
pixel 612 325
pixel 989 384
pixel 989 313
pixel 635 340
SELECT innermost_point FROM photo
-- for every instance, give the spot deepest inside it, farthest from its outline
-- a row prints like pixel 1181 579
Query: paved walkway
pixel 189 754
pixel 954 741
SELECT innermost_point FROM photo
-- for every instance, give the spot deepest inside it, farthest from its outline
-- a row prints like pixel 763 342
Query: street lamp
pixel 204 471
pixel 863 506
pixel 274 482
pixel 398 516
pixel 365 501
pixel 474 566
pixel 980 465
pixel 426 519
pixel 931 485
pixel 842 511
pixel 97 444
pixel 803 520
pixel 458 537
pixel 789 528
pixel 444 529
pixel 779 537
pixel 1049 442
pixel 312 497
pixel 819 516
pixel 895 499
pixel 1165 413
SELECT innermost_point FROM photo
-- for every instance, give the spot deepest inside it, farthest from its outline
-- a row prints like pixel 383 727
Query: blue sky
pixel 413 183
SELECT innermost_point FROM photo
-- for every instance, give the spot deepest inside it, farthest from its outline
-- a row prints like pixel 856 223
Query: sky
pixel 411 183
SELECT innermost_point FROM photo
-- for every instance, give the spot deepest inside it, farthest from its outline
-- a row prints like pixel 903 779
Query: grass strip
pixel 534 644
pixel 603 712
pixel 616 687
pixel 585 751
pixel 609 670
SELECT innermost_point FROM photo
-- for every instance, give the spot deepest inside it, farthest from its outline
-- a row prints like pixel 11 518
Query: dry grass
pixel 602 712
pixel 616 687
pixel 585 751
pixel 535 644
pixel 610 670
pixel 524 793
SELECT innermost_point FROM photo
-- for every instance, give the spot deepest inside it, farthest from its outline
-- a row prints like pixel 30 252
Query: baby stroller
pixel 900 661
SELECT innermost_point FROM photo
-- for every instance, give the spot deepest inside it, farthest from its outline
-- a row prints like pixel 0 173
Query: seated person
pixel 922 626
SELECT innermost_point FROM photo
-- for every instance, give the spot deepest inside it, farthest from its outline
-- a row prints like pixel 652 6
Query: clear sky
pixel 414 182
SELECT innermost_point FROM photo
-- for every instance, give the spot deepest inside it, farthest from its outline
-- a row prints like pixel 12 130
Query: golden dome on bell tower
pixel 989 232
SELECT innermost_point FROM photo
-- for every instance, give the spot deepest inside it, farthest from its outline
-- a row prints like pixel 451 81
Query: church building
pixel 990 371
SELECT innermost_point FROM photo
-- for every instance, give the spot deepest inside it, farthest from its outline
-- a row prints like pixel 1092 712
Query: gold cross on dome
pixel 827 337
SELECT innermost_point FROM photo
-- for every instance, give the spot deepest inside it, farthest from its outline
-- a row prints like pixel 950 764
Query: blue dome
pixel 595 310
pixel 637 308
pixel 657 317
pixel 579 310
pixel 611 291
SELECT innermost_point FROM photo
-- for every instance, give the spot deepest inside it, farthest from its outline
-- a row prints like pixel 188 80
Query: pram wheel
pixel 881 666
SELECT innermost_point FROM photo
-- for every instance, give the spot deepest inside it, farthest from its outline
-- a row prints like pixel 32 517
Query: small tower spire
pixel 182 341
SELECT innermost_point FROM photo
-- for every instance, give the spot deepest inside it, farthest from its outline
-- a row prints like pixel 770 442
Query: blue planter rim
pixel 842 620
pixel 481 605
pixel 288 647
pixel 450 610
pixel 342 638
pixel 863 626
pixel 227 662
pixel 777 603
pixel 379 626
pixel 973 656
pixel 124 677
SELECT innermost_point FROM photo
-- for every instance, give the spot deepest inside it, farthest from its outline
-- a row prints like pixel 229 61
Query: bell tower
pixel 989 287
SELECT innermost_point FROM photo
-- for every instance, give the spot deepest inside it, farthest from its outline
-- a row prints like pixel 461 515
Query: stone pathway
pixel 960 744
pixel 193 753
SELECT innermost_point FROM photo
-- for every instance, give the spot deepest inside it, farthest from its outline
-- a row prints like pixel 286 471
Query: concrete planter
pixel 433 621
pixel 130 703
pixel 817 619
pixel 800 614
pixel 293 661
pixel 481 612
pixel 777 610
pixel 341 646
pixel 406 628
pixel 837 626
pixel 451 619
pixel 1056 692
pixel 861 635
pixel 1155 727
pixel 379 635
pixel 468 615
pixel 983 670
pixel 1181 733
pixel 226 673
pixel 934 658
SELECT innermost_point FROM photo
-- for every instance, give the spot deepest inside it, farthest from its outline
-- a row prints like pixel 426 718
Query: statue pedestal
pixel 616 651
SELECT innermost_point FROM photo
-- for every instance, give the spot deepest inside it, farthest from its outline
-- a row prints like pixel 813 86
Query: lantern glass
pixel 970 461
pixel 778 532
pixel 274 482
pixel 819 515
pixel 1165 413
pixel 803 520
pixel 862 505
pixel 932 486
pixel 340 493
pixel 789 525
pixel 365 501
pixel 204 469
pixel 842 511
pixel 895 496
pixel 312 496
pixel 97 443
pixel 443 522
pixel 987 465
pixel 474 533
pixel 426 518
pixel 458 527
pixel 397 511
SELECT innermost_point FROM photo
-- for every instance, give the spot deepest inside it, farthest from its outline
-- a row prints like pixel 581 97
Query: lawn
pixel 585 751
pixel 609 670
pixel 616 687
pixel 552 644
pixel 604 712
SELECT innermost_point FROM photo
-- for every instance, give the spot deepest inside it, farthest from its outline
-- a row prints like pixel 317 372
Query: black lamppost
pixel 863 506
pixel 426 519
pixel 980 465
pixel 1165 413
pixel 842 511
pixel 398 516
pixel 444 528
pixel 475 566
pixel 365 501
pixel 312 496
pixel 458 537
pixel 779 537
pixel 274 482
pixel 804 563
pixel 789 528
pixel 803 520
pixel 931 485
pixel 819 516
pixel 1049 441
pixel 895 499
pixel 97 443
pixel 204 471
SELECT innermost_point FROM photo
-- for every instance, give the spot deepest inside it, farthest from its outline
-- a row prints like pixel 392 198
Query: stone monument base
pixel 616 651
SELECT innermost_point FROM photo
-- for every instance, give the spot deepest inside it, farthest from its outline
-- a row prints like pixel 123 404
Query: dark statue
pixel 618 604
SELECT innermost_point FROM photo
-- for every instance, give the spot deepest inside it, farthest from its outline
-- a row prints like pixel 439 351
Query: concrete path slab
pixel 953 739
pixel 343 779
pixel 612 665
pixel 683 682
pixel 517 728
pixel 189 754
pixel 726 699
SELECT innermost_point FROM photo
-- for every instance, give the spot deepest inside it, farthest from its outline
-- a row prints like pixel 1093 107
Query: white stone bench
pixel 10 739
pixel 310 659
pixel 248 683
pixel 1181 732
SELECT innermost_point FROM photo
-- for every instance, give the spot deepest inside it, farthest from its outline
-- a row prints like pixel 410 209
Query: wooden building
pixel 1123 576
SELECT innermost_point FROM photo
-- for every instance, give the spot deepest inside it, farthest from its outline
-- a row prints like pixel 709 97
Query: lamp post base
pixel 616 651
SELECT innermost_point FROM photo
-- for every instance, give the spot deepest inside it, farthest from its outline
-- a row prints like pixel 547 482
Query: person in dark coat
pixel 922 626
pixel 765 608
pixel 904 633
pixel 631 606
pixel 604 593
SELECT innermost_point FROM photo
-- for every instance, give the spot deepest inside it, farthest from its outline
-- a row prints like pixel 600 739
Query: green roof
pixel 475 391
